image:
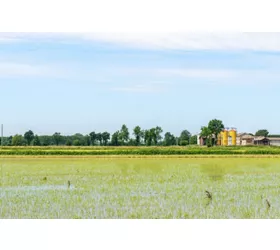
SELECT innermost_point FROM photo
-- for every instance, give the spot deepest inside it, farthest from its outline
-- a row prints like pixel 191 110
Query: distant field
pixel 139 188
pixel 99 151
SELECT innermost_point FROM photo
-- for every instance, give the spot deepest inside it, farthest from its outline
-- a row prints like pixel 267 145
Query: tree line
pixel 139 137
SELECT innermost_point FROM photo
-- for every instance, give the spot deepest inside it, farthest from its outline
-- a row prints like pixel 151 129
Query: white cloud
pixel 170 78
pixel 176 72
pixel 208 75
pixel 164 41
pixel 8 69
pixel 11 37
pixel 8 40
pixel 158 79
pixel 25 37
pixel 191 41
pixel 197 73
pixel 147 87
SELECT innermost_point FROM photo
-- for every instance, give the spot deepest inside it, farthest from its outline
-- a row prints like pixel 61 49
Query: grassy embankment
pixel 259 151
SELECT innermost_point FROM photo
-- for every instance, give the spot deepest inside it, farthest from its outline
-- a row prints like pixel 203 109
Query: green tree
pixel 29 136
pixel 36 141
pixel 148 137
pixel 124 134
pixel 9 141
pixel 57 138
pixel 132 142
pixel 93 137
pixel 183 142
pixel 115 139
pixel 262 132
pixel 86 140
pixel 18 140
pixel 169 139
pixel 206 132
pixel 79 137
pixel 68 142
pixel 216 127
pixel 46 140
pixel 184 138
pixel 157 134
pixel 105 137
pixel 99 138
pixel 193 140
pixel 153 136
pixel 139 134
pixel 76 142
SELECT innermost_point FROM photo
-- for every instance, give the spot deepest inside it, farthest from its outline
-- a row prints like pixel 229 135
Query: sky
pixel 84 82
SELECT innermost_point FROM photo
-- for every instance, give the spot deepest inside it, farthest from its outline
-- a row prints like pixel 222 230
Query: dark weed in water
pixel 208 195
pixel 268 204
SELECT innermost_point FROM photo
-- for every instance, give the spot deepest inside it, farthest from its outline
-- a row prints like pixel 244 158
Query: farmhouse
pixel 229 137
pixel 201 140
pixel 274 141
pixel 244 139
pixel 261 140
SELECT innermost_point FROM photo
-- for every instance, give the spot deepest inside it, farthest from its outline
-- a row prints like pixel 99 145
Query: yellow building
pixel 227 137
pixel 232 135
pixel 224 135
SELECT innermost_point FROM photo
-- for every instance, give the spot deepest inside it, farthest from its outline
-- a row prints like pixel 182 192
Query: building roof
pixel 240 134
pixel 213 136
pixel 274 138
pixel 260 138
pixel 245 136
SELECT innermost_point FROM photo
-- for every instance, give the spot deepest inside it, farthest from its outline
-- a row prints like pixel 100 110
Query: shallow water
pixel 37 188
pixel 139 188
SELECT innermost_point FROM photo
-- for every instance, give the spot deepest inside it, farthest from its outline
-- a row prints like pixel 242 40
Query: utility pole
pixel 2 135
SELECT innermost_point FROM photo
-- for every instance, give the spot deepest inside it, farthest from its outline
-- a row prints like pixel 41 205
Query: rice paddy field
pixel 163 188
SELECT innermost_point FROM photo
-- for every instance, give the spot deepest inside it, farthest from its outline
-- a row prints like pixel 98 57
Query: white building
pixel 274 141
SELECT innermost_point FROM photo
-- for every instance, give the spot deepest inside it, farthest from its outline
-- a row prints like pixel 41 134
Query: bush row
pixel 132 148
pixel 142 151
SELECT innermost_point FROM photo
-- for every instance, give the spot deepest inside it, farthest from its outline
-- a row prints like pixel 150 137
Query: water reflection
pixel 215 172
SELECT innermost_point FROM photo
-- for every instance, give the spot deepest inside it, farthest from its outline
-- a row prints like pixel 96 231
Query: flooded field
pixel 140 188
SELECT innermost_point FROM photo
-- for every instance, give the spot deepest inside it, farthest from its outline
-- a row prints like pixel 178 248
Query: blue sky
pixel 73 83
